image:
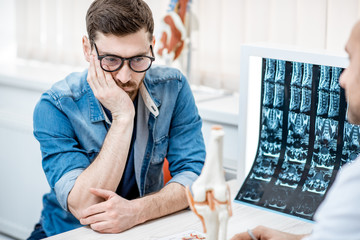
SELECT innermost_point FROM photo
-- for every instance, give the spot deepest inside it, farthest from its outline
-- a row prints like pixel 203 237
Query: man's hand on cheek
pixel 114 215
pixel 107 92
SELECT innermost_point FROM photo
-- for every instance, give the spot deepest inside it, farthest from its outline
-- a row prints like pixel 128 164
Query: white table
pixel 244 217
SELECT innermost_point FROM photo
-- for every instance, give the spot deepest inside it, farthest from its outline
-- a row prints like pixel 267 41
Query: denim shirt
pixel 70 125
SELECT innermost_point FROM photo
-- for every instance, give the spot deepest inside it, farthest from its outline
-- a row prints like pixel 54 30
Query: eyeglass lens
pixel 112 63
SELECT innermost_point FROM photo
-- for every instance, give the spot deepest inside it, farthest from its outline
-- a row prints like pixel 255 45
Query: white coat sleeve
pixel 338 217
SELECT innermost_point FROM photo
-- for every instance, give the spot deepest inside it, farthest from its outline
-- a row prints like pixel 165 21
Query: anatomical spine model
pixel 211 194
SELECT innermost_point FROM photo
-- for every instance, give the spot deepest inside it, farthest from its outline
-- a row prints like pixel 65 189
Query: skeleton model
pixel 211 200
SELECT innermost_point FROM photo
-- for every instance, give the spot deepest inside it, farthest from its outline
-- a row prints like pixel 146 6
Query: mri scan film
pixel 304 138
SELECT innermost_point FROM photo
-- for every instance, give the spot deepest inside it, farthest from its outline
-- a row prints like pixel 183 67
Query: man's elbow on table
pixel 78 202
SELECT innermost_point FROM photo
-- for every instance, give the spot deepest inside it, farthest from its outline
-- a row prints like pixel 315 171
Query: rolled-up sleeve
pixel 186 153
pixel 184 178
pixel 63 159
pixel 338 215
pixel 64 186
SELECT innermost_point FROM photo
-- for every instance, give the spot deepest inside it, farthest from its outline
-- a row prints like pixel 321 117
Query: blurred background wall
pixel 51 31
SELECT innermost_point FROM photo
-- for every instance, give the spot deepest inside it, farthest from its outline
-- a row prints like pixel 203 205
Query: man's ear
pixel 86 48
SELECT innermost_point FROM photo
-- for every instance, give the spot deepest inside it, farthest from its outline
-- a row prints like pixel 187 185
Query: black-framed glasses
pixel 112 63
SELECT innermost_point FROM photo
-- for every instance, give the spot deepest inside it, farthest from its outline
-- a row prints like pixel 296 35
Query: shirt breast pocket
pixel 154 181
pixel 160 150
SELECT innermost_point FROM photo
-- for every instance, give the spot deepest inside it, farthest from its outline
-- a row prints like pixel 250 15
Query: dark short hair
pixel 119 17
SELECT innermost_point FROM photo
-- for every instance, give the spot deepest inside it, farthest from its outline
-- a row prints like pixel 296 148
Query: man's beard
pixel 130 85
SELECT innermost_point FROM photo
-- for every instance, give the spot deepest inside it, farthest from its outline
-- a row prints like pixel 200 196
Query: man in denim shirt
pixel 104 133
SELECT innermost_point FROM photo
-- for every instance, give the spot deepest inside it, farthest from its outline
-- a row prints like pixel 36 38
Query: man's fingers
pixel 100 73
pixel 241 236
pixel 99 207
pixel 103 193
pixel 92 76
pixel 102 227
pixel 94 209
pixel 109 79
pixel 100 217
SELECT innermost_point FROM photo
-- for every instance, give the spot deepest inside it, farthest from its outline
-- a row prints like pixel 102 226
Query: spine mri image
pixel 304 138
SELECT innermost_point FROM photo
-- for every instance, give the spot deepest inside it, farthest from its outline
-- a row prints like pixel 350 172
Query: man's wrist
pixel 141 210
pixel 123 119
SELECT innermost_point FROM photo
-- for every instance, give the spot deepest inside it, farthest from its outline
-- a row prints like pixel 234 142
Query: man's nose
pixel 342 79
pixel 124 73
